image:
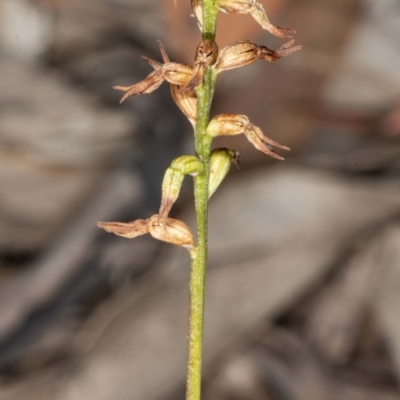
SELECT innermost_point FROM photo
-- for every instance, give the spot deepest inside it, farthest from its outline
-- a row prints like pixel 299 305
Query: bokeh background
pixel 303 289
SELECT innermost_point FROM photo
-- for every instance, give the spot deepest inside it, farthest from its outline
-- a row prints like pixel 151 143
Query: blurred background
pixel 303 289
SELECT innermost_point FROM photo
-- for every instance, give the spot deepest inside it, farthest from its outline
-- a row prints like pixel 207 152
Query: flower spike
pixel 233 124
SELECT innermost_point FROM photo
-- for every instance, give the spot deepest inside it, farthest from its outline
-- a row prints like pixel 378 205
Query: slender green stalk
pixel 199 254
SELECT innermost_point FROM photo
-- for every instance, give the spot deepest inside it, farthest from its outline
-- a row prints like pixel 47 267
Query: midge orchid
pixel 192 89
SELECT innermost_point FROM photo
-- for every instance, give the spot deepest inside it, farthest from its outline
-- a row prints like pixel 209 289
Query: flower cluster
pixel 184 80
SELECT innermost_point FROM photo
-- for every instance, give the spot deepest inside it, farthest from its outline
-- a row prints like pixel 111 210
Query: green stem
pixel 205 94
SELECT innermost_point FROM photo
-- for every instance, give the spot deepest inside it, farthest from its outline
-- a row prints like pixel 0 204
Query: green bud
pixel 220 162
pixel 188 165
pixel 173 178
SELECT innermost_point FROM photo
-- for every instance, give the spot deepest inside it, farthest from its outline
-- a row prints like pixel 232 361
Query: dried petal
pixel 263 143
pixel 266 54
pixel 148 85
pixel 164 54
pixel 220 163
pixel 257 12
pixel 237 55
pixel 171 231
pixel 197 7
pixel 129 230
pixel 232 124
pixel 186 100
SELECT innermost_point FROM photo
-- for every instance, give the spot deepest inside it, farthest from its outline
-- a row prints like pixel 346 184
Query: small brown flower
pixel 174 73
pixel 257 12
pixel 233 124
pixel 206 55
pixel 243 53
pixel 167 230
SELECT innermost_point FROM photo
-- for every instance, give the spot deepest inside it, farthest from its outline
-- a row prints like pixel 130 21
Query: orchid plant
pixel 192 89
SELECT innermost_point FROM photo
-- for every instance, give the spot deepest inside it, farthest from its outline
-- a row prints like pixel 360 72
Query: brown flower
pixel 206 55
pixel 167 230
pixel 243 53
pixel 257 12
pixel 233 124
pixel 174 73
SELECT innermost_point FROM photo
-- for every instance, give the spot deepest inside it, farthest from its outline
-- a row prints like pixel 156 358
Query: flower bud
pixel 188 165
pixel 173 178
pixel 206 52
pixel 236 55
pixel 171 231
pixel 206 55
pixel 186 100
pixel 220 162
pixel 257 12
pixel 129 230
pixel 232 124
